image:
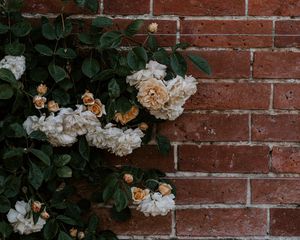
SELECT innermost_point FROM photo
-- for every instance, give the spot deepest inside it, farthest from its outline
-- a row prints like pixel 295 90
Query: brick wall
pixel 235 156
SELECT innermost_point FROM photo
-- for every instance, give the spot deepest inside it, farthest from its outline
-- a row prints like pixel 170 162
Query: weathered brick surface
pixel 274 8
pixel 126 7
pixel 287 96
pixel 287 27
pixel 223 159
pixel 285 222
pixel 211 191
pixel 226 27
pixel 286 160
pixel 221 222
pixel 228 96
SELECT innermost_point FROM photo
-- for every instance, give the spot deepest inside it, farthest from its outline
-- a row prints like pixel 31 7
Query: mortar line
pixel 246 8
pixel 268 221
pixel 178 34
pixel 173 224
pixel 219 175
pixel 250 127
pixel 248 200
pixel 151 7
pixel 156 237
pixel 101 7
pixel 273 33
pixel 175 157
pixel 271 106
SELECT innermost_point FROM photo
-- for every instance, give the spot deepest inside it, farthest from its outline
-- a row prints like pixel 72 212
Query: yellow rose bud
pixel 97 108
pixel 165 189
pixel 88 98
pixel 73 232
pixel 143 126
pixel 128 178
pixel 42 89
pixel 139 194
pixel 53 106
pixel 45 215
pixel 80 235
pixel 152 28
pixel 36 206
pixel 39 101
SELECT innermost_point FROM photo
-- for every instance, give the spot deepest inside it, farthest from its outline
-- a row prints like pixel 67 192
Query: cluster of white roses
pixel 63 128
pixel 164 99
pixel 21 218
pixel 154 203
pixel 16 64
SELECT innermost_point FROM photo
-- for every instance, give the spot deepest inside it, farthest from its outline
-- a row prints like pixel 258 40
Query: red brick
pixel 288 27
pixel 287 96
pixel 228 96
pixel 224 64
pixel 286 160
pixel 221 222
pixel 199 191
pixel 53 6
pixel 225 159
pixel 226 27
pixel 138 158
pixel 138 224
pixel 276 127
pixel 275 191
pixel 285 222
pixel 274 7
pixel 276 65
pixel 126 7
pixel 206 127
pixel 199 8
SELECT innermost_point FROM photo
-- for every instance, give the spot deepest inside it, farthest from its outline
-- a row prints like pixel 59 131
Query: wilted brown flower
pixel 97 108
pixel 128 116
pixel 88 98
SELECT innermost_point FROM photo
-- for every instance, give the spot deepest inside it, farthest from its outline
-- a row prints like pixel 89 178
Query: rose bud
pixel 143 126
pixel 36 206
pixel 139 194
pixel 152 28
pixel 88 98
pixel 165 189
pixel 39 101
pixel 73 232
pixel 80 235
pixel 128 178
pixel 42 89
pixel 45 215
pixel 53 106
pixel 97 108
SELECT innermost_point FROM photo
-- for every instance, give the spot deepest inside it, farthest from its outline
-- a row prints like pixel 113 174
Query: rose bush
pixel 66 95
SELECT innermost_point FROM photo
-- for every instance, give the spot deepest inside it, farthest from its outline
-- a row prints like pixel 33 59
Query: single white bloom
pixel 30 125
pixel 16 64
pixel 157 204
pixel 22 220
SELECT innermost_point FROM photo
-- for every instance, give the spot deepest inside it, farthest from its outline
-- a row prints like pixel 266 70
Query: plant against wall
pixel 64 97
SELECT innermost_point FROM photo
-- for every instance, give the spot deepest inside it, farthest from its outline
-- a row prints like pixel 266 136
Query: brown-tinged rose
pixel 139 194
pixel 143 126
pixel 42 89
pixel 53 106
pixel 152 28
pixel 39 101
pixel 128 178
pixel 97 108
pixel 128 116
pixel 88 98
pixel 36 206
pixel 45 215
pixel 81 235
pixel 73 232
pixel 153 94
pixel 165 189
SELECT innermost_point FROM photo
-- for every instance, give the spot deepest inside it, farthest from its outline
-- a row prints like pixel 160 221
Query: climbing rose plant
pixel 70 90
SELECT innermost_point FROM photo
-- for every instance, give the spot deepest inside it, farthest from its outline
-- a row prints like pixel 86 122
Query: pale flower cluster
pixel 16 64
pixel 164 99
pixel 21 219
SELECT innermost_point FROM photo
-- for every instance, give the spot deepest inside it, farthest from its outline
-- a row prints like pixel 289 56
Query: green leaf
pixel 121 200
pixel 50 229
pixel 64 236
pixel 57 72
pixel 84 149
pixel 7 76
pixel 163 144
pixel 133 27
pixel 6 91
pixel 3 28
pixel 152 43
pixel 67 53
pixel 101 22
pixel 137 58
pixel 110 40
pixel 64 172
pixel 43 49
pixel 38 135
pixel 182 45
pixel 161 56
pixel 61 97
pixel 123 105
pixel 93 223
pixel 85 38
pixel 4 204
pixel 21 29
pixel 13 152
pixel 113 88
pixel 104 75
pixel 17 129
pixel 14 5
pixel 41 155
pixel 62 160
pixel 109 188
pixel 66 220
pixel 14 49
pixel 12 186
pixel 90 67
pixel 200 63
pixel 5 230
pixel 90 4
pixel 111 110
pixel 178 64
pixel 62 30
pixel 48 31
pixel 35 176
